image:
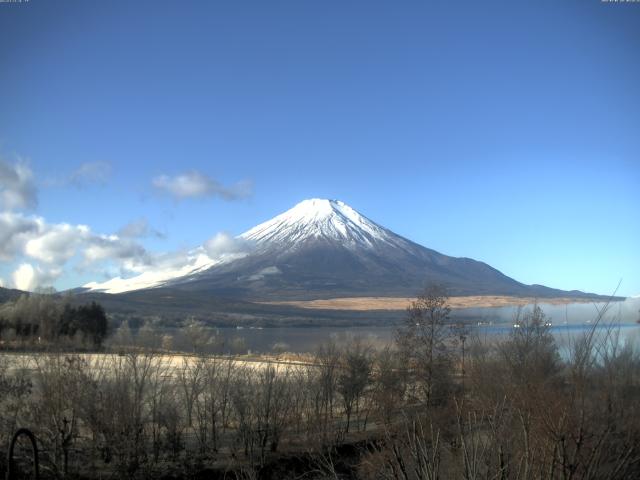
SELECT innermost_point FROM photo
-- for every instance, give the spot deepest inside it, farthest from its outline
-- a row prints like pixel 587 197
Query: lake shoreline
pixel 401 303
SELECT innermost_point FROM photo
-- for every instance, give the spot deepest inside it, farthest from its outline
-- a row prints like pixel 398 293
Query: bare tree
pixel 354 377
pixel 57 379
pixel 530 349
pixel 327 359
pixel 414 453
pixel 212 404
pixel 389 383
pixel 424 342
pixel 190 378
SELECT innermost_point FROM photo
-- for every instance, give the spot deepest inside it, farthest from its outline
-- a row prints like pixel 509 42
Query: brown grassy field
pixel 400 303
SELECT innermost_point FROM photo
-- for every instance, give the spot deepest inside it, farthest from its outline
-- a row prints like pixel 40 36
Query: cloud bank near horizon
pixel 43 252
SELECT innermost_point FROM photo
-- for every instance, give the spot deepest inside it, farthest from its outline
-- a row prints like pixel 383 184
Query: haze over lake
pixel 579 318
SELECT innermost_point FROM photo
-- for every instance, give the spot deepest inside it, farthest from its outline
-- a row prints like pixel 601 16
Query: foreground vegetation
pixel 439 404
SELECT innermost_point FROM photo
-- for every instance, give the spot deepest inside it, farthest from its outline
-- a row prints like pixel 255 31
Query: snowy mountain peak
pixel 315 219
pixel 318 218
pixel 315 208
pixel 318 209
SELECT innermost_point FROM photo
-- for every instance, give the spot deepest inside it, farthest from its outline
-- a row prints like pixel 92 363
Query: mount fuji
pixel 325 249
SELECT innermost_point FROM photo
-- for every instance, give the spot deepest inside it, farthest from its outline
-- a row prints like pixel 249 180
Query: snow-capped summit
pixel 319 218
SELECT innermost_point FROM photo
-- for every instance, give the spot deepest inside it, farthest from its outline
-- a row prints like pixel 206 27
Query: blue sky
pixel 508 132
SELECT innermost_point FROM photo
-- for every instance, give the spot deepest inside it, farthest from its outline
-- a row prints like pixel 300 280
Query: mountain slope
pixel 7 294
pixel 324 248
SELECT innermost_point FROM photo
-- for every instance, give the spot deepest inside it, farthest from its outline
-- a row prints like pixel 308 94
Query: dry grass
pixel 171 363
pixel 401 303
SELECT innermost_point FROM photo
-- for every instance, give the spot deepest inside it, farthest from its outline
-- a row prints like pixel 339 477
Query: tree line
pixel 50 319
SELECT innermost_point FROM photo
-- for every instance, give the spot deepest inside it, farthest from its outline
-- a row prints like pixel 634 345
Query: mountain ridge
pixel 326 249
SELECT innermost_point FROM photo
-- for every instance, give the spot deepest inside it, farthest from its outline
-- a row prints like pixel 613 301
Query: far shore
pixel 401 303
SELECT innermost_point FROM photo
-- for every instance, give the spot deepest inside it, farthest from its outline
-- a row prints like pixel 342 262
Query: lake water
pixel 568 322
pixel 308 339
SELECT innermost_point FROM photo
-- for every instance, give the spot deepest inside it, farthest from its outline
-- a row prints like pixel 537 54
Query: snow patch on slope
pixel 156 276
pixel 264 272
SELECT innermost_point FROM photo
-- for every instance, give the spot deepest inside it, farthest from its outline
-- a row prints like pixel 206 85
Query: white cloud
pixel 112 247
pixel 224 244
pixel 139 229
pixel 42 251
pixel 57 243
pixel 27 277
pixel 15 232
pixel 194 184
pixel 90 173
pixel 160 268
pixel 16 186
